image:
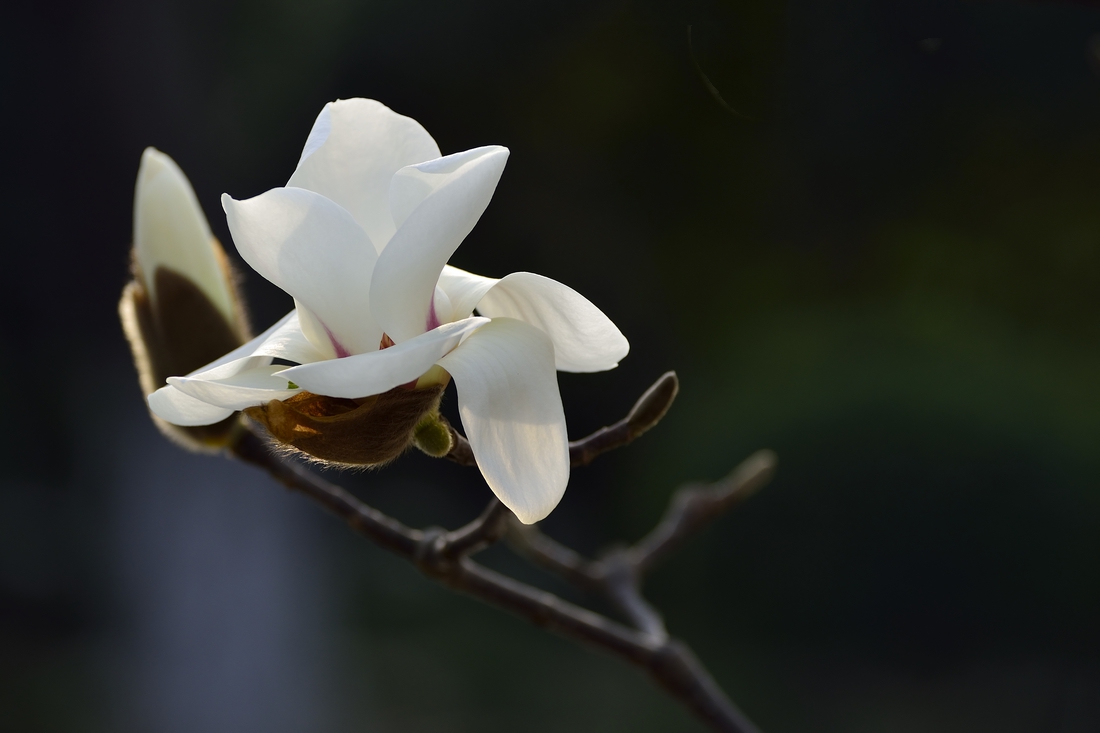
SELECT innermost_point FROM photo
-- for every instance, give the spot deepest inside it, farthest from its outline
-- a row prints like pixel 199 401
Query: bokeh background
pixel 866 234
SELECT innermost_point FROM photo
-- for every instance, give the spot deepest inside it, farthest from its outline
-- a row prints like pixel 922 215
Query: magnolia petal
pixel 170 231
pixel 170 404
pixel 283 340
pixel 314 250
pixel 289 342
pixel 237 391
pixel 435 205
pixel 511 411
pixel 353 150
pixel 238 359
pixel 585 340
pixel 314 331
pixel 465 289
pixel 363 375
pixel 441 310
pixel 412 185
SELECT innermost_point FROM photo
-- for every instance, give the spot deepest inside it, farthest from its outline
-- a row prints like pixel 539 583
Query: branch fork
pixel 617 576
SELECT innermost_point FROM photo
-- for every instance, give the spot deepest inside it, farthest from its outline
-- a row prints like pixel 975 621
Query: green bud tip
pixel 433 435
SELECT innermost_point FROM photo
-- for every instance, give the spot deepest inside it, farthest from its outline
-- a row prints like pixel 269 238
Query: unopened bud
pixel 182 310
pixel 432 435
pixel 361 432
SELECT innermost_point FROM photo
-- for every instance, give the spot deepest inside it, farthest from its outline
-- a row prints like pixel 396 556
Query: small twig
pixel 622 584
pixel 695 506
pixel 529 541
pixel 647 412
pixel 480 533
pixel 439 549
pixel 618 575
pixel 445 556
pixel 613 576
pixel 461 452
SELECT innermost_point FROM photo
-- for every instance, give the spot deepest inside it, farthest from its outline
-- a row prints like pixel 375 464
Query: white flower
pixel 360 237
pixel 171 234
pixel 181 309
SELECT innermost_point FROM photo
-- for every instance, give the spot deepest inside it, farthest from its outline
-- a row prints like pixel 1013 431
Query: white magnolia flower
pixel 181 309
pixel 171 234
pixel 360 237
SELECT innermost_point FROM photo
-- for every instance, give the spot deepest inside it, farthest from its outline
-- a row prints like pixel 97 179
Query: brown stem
pixel 618 574
pixel 613 576
pixel 445 556
pixel 482 532
pixel 695 506
pixel 530 542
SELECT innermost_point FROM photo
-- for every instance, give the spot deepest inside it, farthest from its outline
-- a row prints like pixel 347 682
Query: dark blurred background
pixel 866 234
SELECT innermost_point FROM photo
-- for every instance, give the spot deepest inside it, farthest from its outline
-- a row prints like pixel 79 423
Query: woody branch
pixel 446 556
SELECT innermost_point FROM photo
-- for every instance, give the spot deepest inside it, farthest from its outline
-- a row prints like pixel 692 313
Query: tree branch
pixel 445 556
pixel 480 533
pixel 695 506
pixel 647 412
pixel 529 541
pixel 618 575
pixel 621 581
pixel 613 576
pixel 367 521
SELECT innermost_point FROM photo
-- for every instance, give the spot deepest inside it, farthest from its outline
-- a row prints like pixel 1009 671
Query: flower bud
pixel 182 310
pixel 361 432
pixel 432 435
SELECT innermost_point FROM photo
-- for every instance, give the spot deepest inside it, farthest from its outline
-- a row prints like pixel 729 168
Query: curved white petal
pixel 314 331
pixel 289 342
pixel 354 149
pixel 178 408
pixel 511 411
pixel 465 289
pixel 442 311
pixel 313 249
pixel 435 205
pixel 170 231
pixel 363 375
pixel 585 340
pixel 237 391
pixel 191 404
pixel 283 340
pixel 239 356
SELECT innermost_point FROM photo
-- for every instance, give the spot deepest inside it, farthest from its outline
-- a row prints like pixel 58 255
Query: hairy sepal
pixel 369 431
pixel 179 332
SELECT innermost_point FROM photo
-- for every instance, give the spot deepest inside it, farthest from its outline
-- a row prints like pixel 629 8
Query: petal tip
pixel 151 160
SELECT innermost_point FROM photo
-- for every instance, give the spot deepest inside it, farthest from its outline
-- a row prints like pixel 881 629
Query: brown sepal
pixel 362 432
pixel 182 332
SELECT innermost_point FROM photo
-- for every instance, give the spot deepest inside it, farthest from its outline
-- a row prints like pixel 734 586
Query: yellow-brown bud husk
pixel 361 432
pixel 178 334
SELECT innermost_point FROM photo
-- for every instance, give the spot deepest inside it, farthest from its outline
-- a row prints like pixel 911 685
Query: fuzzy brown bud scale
pixel 179 332
pixel 362 432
